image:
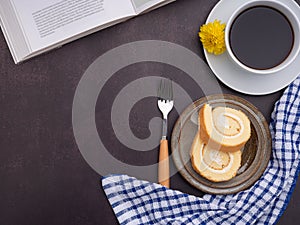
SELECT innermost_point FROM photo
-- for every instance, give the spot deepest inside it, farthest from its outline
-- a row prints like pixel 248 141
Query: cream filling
pixel 215 156
pixel 217 160
pixel 221 119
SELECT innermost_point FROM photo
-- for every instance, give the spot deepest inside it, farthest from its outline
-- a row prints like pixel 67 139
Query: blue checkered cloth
pixel 141 202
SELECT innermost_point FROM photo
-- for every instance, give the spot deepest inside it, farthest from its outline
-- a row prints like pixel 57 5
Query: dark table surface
pixel 44 178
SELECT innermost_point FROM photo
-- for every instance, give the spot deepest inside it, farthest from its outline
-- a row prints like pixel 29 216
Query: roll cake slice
pixel 213 164
pixel 224 128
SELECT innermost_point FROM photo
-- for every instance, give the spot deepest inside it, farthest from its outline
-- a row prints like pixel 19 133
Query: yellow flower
pixel 212 36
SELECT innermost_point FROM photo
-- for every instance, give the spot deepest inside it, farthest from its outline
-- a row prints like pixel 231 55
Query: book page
pixel 142 5
pixel 12 31
pixel 46 22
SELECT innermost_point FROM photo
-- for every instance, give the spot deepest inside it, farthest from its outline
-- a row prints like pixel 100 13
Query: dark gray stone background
pixel 43 177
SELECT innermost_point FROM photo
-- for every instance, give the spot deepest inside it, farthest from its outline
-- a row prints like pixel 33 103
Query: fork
pixel 165 104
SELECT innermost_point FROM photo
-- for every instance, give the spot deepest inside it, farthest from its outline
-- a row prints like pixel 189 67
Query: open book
pixel 36 26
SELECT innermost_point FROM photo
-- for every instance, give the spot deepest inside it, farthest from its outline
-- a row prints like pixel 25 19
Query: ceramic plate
pixel 237 78
pixel 255 155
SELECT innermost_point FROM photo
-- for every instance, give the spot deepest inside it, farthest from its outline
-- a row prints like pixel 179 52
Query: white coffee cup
pixel 289 14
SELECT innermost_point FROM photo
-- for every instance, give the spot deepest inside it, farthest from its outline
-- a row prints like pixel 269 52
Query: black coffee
pixel 261 37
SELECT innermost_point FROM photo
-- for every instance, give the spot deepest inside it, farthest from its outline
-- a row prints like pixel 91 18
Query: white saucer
pixel 239 79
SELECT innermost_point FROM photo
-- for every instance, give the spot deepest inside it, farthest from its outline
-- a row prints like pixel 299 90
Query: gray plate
pixel 256 152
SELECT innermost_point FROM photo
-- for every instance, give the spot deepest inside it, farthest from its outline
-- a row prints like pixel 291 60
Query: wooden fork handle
pixel 163 164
